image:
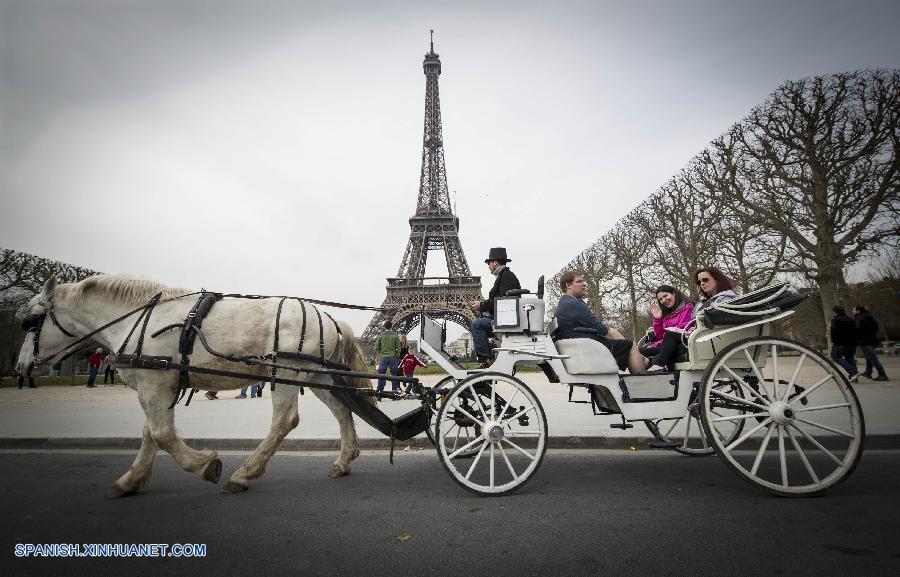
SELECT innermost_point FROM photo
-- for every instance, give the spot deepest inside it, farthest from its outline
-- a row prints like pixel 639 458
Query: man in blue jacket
pixel 573 314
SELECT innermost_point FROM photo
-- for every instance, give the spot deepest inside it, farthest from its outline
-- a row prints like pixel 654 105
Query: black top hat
pixel 497 253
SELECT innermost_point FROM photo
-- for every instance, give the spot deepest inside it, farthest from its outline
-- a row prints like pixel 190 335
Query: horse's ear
pixel 49 287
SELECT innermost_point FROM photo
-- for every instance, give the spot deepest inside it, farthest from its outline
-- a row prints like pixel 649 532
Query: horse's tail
pixel 352 356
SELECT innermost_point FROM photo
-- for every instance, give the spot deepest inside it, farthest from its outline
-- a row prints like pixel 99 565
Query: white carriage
pixel 778 413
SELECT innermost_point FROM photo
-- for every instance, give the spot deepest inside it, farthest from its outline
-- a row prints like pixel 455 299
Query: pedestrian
pixel 31 384
pixel 867 339
pixel 109 370
pixel 843 342
pixel 409 363
pixel 404 347
pixel 94 366
pixel 387 347
pixel 256 390
pixel 787 331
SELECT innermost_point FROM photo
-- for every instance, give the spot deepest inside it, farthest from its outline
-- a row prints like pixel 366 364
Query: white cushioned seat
pixel 587 357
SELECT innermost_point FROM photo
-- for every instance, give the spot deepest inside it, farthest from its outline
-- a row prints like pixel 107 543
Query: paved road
pixel 585 513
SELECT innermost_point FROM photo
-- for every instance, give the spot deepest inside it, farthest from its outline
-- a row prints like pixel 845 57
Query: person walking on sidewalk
pixel 843 342
pixel 256 390
pixel 867 339
pixel 109 369
pixel 94 366
pixel 387 348
pixel 409 363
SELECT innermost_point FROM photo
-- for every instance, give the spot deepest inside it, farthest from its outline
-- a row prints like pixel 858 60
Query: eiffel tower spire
pixel 433 227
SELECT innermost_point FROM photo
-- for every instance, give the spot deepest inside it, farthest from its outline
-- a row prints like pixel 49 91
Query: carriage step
pixel 663 445
pixel 622 426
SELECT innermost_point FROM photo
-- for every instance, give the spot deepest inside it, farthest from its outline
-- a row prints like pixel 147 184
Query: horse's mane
pixel 121 289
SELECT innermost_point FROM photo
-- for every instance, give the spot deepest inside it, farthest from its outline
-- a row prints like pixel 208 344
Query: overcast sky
pixel 275 147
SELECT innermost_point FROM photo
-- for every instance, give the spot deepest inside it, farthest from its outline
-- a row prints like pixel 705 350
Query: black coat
pixel 866 330
pixel 843 331
pixel 505 281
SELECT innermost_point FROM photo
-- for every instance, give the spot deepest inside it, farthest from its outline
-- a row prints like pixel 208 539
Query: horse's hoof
pixel 118 492
pixel 213 471
pixel 337 471
pixel 232 487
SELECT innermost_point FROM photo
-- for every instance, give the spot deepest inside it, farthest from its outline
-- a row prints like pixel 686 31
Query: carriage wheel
pixel 804 425
pixel 687 431
pixel 512 433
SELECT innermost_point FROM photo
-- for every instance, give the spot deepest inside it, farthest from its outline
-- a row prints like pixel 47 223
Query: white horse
pixel 234 326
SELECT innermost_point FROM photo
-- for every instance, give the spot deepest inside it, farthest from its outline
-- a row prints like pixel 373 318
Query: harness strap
pixel 56 322
pixel 321 334
pixel 302 328
pixel 144 316
pixel 189 329
pixel 275 343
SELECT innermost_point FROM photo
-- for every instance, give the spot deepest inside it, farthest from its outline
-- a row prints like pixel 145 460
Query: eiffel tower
pixel 432 227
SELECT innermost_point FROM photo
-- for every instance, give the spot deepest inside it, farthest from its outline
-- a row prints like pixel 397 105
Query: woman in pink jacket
pixel 673 315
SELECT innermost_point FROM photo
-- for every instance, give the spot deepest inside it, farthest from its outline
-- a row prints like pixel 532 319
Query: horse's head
pixel 46 335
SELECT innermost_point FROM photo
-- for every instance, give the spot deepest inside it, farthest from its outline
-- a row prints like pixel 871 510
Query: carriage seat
pixel 587 357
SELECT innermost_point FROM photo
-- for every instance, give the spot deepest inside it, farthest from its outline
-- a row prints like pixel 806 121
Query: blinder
pixel 32 323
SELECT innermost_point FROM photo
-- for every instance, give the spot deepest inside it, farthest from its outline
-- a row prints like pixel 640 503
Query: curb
pixel 872 442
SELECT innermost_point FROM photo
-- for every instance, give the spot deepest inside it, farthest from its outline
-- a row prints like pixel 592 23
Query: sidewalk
pixel 78 417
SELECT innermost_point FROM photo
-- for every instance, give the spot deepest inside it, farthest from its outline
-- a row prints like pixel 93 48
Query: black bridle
pixel 33 323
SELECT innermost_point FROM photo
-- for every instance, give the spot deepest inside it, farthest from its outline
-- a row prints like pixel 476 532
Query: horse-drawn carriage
pixel 779 414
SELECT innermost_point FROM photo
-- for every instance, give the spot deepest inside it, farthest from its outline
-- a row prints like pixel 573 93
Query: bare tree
pixel 818 164
pixel 22 276
pixel 682 225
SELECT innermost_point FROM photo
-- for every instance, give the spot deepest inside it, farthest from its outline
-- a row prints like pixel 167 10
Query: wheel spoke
pixel 514 395
pixel 803 458
pixel 740 417
pixel 755 370
pixel 476 459
pixel 808 391
pixel 687 429
pixel 492 464
pixel 781 457
pixel 762 449
pixel 508 464
pixel 738 400
pixel 520 433
pixel 787 390
pixel 456 440
pixel 747 387
pixel 469 415
pixel 747 435
pixel 519 449
pixel 818 445
pixel 464 447
pixel 774 371
pixel 822 407
pixel 827 428
pixel 517 415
